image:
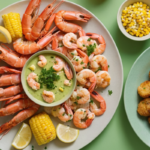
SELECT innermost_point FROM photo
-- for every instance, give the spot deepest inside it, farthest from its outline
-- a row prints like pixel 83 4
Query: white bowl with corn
pixel 134 19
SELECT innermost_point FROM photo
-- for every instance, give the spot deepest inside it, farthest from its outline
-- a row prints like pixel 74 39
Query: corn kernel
pixel 61 89
pixel 32 67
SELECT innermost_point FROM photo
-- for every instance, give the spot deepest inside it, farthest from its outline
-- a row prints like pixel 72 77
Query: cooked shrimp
pixel 48 96
pixel 63 112
pixel 80 114
pixel 99 62
pixel 59 64
pixel 31 81
pixel 67 83
pixel 30 47
pixel 12 58
pixel 10 79
pixel 102 79
pixel 68 71
pixel 101 47
pixel 5 70
pixel 69 40
pixel 16 106
pixel 11 91
pixel 71 53
pixel 43 61
pixel 85 41
pixel 81 95
pixel 80 62
pixel 93 107
pixel 70 15
pixel 87 78
pixel 21 116
pixel 34 26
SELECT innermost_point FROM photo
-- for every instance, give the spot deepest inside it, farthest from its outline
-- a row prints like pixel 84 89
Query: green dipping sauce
pixel 60 83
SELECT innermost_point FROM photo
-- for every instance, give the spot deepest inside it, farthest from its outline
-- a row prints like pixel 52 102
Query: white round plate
pixel 112 101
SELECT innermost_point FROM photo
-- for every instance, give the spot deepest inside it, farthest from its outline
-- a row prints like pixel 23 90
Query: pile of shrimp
pixel 65 37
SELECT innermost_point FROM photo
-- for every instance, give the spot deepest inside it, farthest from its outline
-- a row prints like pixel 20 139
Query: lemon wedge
pixel 23 137
pixel 5 36
pixel 66 134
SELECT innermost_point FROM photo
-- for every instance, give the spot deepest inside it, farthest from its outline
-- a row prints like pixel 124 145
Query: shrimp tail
pixel 97 96
pixel 68 71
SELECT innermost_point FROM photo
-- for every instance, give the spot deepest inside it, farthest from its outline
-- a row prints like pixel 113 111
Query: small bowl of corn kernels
pixel 134 19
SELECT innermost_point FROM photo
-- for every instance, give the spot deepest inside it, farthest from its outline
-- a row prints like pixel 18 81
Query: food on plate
pixel 102 79
pixel 94 108
pixel 135 19
pixel 23 137
pixel 12 23
pixel 144 89
pixel 36 28
pixel 5 36
pixel 11 57
pixel 42 128
pixel 27 48
pixel 144 107
pixel 20 117
pixel 11 79
pixel 48 77
pixel 67 27
pixel 66 134
pixel 45 83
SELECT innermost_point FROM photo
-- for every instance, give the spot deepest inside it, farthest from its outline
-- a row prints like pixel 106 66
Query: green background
pixel 118 134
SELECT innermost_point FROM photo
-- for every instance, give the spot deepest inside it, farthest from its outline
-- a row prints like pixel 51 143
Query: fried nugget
pixel 144 107
pixel 144 89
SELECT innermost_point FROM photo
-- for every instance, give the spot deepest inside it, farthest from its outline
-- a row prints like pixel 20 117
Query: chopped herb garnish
pixel 47 78
pixel 52 56
pixel 144 88
pixel 72 53
pixel 45 147
pixel 90 49
pixel 108 66
pixel 89 39
pixel 76 103
pixel 91 101
pixel 83 67
pixel 77 59
pixel 60 45
pixel 78 97
pixel 63 114
pixel 82 63
pixel 83 45
pixel 99 68
pixel 110 92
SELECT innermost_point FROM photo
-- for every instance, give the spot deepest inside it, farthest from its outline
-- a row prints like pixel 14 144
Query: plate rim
pixel 130 72
pixel 117 52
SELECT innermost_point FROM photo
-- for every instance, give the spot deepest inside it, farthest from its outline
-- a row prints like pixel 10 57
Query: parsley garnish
pixel 110 92
pixel 90 49
pixel 78 97
pixel 91 101
pixel 108 66
pixel 89 39
pixel 99 68
pixel 47 78
pixel 77 59
pixel 63 114
pixel 76 103
pixel 83 45
pixel 144 88
pixel 82 63
pixel 72 53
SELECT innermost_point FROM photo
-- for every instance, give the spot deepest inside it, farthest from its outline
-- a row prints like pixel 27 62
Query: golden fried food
pixel 144 89
pixel 144 107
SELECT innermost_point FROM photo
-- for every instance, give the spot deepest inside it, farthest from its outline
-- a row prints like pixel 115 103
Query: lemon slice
pixel 23 137
pixel 66 134
pixel 5 36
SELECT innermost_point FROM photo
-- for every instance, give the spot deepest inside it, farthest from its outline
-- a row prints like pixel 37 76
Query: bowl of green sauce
pixel 48 78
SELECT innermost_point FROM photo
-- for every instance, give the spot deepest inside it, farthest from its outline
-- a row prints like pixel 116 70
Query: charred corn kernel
pixel 136 17
pixel 32 67
pixel 61 89
pixel 12 23
pixel 42 128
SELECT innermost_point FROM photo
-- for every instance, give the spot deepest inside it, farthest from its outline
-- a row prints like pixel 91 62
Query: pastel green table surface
pixel 118 135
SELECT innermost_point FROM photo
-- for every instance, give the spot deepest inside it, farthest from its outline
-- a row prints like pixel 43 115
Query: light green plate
pixel 24 82
pixel 138 74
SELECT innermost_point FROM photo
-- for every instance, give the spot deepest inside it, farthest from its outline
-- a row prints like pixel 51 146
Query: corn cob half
pixel 42 128
pixel 12 23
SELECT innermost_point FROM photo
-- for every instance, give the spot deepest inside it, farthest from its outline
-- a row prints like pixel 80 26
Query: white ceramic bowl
pixel 126 4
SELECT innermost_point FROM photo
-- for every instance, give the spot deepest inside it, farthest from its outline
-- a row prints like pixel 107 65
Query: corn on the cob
pixel 42 128
pixel 12 23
